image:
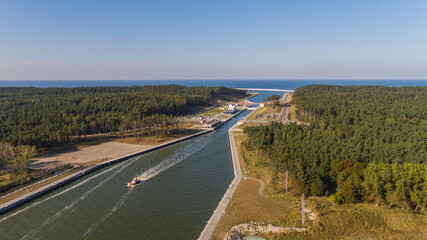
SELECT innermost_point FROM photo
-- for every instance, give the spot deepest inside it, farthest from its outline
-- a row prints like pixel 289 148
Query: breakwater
pixel 262 89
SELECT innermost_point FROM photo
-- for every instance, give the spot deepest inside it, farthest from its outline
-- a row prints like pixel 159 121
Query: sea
pixel 265 84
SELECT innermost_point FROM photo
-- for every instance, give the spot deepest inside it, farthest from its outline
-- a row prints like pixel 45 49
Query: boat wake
pixel 71 205
pixel 176 158
pixel 118 204
pixel 60 193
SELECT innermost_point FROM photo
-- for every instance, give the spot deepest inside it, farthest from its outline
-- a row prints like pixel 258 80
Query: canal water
pixel 185 184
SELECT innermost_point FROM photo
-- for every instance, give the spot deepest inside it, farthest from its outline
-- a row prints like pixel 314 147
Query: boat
pixel 136 180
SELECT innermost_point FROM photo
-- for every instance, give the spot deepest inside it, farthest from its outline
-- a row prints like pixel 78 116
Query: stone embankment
pixel 255 228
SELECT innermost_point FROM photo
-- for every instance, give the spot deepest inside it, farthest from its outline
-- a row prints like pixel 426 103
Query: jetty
pixel 263 89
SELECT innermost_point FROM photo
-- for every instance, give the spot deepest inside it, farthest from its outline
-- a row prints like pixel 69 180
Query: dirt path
pixel 261 186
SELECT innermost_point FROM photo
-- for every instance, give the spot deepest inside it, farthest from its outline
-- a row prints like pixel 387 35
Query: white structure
pixel 231 107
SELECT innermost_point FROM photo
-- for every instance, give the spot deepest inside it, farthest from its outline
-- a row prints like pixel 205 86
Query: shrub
pixel 352 189
pixel 336 199
pixel 317 188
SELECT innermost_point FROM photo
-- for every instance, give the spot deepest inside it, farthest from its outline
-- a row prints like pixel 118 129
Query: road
pixel 285 112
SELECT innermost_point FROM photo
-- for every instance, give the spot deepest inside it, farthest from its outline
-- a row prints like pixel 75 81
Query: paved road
pixel 285 112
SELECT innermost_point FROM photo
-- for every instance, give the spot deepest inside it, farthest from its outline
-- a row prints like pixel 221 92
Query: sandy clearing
pixel 102 151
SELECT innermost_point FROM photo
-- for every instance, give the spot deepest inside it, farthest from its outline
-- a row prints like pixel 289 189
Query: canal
pixel 186 183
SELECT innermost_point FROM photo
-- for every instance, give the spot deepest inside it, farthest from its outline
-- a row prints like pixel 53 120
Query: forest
pixel 366 143
pixel 272 98
pixel 45 117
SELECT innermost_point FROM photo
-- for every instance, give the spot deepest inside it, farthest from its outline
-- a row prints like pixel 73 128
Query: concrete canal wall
pixel 226 199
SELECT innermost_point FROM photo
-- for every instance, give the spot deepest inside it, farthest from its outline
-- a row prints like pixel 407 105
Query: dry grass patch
pixel 267 110
pixel 24 190
pixel 248 206
pixel 142 141
pixel 254 113
pixel 251 124
pixel 289 98
pixel 365 221
pixel 272 110
pixel 211 112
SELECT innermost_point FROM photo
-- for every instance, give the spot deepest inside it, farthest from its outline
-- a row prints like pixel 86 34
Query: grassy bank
pixel 23 189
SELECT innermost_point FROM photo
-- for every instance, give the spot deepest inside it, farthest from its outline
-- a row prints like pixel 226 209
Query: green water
pixel 186 183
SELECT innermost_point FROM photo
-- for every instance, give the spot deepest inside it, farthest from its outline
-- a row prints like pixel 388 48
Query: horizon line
pixel 213 79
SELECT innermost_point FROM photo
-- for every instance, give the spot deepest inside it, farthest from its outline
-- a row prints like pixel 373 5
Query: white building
pixel 231 107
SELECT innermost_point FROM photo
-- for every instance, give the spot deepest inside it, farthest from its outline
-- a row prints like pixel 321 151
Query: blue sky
pixel 298 39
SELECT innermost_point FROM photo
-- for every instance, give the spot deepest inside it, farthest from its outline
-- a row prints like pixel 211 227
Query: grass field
pixel 211 112
pixel 266 110
pixel 365 221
